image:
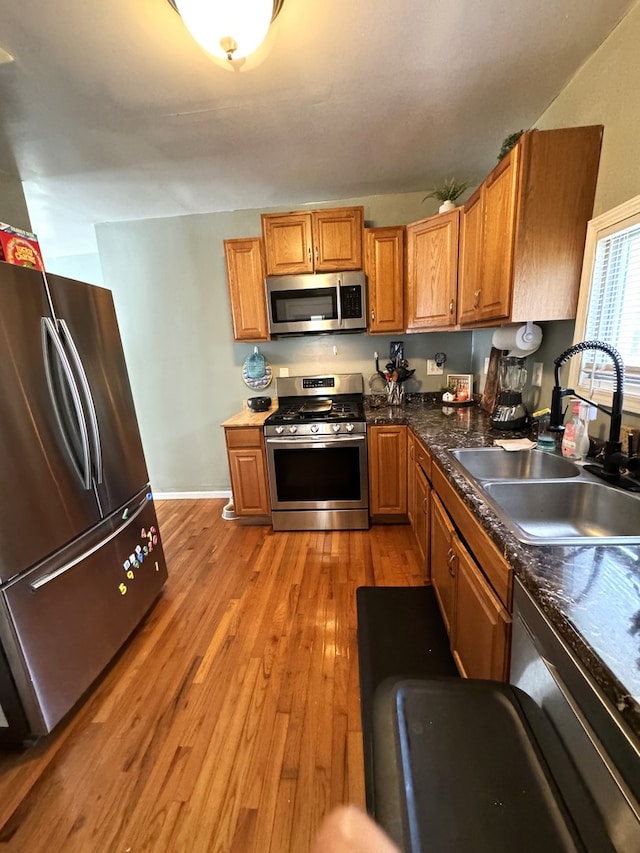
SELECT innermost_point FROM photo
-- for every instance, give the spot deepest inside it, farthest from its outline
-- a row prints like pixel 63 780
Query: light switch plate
pixel 536 374
pixel 433 369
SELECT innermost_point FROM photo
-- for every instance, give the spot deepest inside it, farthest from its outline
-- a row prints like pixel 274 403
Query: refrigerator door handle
pixel 129 519
pixel 49 333
pixel 86 390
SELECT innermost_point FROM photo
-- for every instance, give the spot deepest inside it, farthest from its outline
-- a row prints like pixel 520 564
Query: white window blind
pixel 611 305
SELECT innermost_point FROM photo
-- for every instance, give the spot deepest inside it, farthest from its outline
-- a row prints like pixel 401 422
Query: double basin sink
pixel 544 499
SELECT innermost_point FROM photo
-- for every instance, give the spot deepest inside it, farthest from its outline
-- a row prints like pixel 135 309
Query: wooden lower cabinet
pixel 422 525
pixel 443 562
pixel 473 584
pixel 481 625
pixel 387 448
pixel 248 471
pixel 411 478
pixel 419 499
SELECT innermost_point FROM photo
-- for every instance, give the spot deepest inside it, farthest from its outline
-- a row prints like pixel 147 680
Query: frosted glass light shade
pixel 212 23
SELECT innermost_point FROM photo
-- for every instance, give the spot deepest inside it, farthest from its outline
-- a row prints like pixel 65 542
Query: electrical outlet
pixel 536 374
pixel 433 369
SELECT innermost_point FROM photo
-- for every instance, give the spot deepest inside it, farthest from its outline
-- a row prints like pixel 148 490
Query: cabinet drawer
pixel 498 572
pixel 244 437
pixel 423 457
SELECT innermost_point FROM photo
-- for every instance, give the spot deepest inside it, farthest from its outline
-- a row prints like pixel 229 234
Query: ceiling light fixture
pixel 230 29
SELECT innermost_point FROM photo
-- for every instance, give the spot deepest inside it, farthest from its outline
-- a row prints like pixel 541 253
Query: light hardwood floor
pixel 231 720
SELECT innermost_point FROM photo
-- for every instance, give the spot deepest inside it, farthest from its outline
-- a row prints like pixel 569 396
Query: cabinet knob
pixel 476 299
pixel 309 253
pixel 452 305
pixel 425 508
pixel 373 315
pixel 317 254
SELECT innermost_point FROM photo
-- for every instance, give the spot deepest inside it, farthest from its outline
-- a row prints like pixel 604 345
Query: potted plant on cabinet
pixel 447 192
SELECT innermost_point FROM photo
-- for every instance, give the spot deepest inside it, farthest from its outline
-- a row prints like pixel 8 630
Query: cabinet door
pixel 422 526
pixel 411 478
pixel 443 560
pixel 248 471
pixel 432 272
pixel 499 198
pixel 387 446
pixel 470 270
pixel 481 625
pixel 337 238
pixel 384 266
pixel 288 243
pixel 245 277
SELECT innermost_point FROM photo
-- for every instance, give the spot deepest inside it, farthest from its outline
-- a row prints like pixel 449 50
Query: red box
pixel 19 247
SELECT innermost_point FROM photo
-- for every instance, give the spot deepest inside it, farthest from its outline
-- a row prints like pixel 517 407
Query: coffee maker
pixel 510 412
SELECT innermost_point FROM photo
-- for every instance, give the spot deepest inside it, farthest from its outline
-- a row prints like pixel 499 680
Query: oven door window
pixel 295 306
pixel 309 475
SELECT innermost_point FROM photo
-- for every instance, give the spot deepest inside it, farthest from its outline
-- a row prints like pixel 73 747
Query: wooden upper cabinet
pixel 523 231
pixel 384 266
pixel 288 243
pixel 313 241
pixel 245 277
pixel 432 272
pixel 470 259
pixel 337 236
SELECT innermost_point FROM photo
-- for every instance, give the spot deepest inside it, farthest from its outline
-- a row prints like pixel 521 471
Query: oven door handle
pixel 310 442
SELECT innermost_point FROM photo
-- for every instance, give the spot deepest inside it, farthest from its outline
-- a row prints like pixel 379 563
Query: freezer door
pixel 87 322
pixel 43 504
pixel 64 621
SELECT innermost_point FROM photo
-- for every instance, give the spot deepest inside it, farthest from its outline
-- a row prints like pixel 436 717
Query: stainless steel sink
pixel 494 463
pixel 566 512
pixel 546 499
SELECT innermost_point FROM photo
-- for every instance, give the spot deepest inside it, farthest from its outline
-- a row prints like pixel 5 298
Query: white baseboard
pixel 179 496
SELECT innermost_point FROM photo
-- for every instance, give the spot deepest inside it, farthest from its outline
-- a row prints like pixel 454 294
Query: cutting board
pixel 490 394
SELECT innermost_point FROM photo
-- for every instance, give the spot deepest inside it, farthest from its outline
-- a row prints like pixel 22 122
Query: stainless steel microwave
pixel 313 304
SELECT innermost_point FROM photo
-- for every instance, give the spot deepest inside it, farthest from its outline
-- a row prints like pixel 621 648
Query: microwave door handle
pixel 339 300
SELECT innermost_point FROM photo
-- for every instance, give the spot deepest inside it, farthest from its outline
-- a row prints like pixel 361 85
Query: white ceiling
pixel 111 112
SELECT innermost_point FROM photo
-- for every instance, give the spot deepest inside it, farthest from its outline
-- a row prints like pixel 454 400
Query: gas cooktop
pixel 318 405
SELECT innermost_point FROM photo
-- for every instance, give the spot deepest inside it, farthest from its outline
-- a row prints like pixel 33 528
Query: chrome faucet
pixel 614 458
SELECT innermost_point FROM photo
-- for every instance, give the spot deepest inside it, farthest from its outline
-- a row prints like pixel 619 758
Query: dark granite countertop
pixel 591 594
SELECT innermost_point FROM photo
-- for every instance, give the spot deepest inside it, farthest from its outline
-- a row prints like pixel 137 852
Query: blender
pixel 509 412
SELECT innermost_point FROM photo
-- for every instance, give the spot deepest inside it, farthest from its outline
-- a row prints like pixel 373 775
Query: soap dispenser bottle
pixel 573 432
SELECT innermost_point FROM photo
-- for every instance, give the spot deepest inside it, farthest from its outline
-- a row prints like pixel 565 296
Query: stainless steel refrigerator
pixel 81 560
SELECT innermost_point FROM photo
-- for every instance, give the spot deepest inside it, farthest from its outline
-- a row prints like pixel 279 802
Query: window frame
pixel 600 227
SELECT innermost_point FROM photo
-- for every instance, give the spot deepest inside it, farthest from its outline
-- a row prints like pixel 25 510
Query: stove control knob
pixel 293 429
pixel 335 427
pixel 279 430
pixel 349 427
pixel 314 427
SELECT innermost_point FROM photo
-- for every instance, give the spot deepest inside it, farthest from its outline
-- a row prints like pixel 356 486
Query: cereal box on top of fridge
pixel 19 247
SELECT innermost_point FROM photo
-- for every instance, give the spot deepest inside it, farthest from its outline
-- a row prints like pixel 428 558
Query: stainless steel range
pixel 316 444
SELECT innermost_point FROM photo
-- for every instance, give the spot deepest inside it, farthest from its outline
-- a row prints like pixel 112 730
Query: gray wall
pixel 169 282
pixel 14 207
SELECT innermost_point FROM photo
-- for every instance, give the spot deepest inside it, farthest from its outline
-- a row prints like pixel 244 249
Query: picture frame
pixel 463 385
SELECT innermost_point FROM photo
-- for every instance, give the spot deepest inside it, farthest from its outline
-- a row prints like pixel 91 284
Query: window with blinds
pixel 609 306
